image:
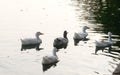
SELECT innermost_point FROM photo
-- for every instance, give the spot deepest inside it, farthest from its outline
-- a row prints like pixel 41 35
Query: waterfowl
pixel 50 59
pixel 61 42
pixel 28 43
pixel 45 67
pixel 80 36
pixel 103 44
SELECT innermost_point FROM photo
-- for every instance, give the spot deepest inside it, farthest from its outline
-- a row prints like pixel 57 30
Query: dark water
pixel 21 19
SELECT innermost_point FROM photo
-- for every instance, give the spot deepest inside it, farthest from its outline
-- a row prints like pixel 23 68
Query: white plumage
pixel 80 35
pixel 50 59
pixel 103 44
pixel 31 41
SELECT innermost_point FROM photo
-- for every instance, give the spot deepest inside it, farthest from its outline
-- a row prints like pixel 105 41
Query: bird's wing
pixel 80 35
pixel 30 41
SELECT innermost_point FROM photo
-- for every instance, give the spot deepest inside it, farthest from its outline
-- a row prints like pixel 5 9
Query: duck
pixel 101 45
pixel 45 67
pixel 80 35
pixel 47 60
pixel 61 42
pixel 31 42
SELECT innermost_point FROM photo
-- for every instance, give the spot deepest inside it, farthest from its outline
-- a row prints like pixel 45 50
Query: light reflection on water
pixel 96 29
pixel 51 18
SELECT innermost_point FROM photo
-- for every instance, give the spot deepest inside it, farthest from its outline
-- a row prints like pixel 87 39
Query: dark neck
pixel 65 35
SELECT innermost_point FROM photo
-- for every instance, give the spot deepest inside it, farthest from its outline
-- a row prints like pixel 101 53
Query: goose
pixel 31 42
pixel 45 67
pixel 80 36
pixel 61 42
pixel 103 44
pixel 50 59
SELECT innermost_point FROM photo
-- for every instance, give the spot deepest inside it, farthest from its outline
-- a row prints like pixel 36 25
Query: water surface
pixel 22 18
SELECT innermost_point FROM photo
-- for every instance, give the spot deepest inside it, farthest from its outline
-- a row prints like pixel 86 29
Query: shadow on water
pixel 31 46
pixel 86 39
pixel 103 17
pixel 113 55
pixel 106 13
pixel 48 66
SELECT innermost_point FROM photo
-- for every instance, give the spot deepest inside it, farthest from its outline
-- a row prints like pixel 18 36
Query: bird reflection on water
pixel 31 46
pixel 45 67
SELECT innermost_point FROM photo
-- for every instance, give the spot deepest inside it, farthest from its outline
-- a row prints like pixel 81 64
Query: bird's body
pixel 29 43
pixel 61 42
pixel 80 35
pixel 103 44
pixel 50 59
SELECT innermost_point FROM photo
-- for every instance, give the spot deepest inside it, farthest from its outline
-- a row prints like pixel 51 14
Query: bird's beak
pixel 88 27
pixel 41 33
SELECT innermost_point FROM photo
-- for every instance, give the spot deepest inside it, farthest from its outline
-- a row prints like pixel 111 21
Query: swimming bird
pixel 46 60
pixel 80 36
pixel 45 67
pixel 103 44
pixel 29 43
pixel 61 42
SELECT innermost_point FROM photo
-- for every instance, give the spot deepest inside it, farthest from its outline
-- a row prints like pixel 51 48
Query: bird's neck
pixel 83 30
pixel 65 36
pixel 54 52
pixel 37 36
pixel 109 38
